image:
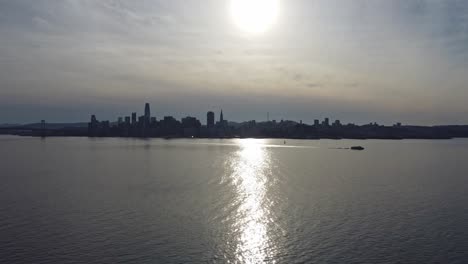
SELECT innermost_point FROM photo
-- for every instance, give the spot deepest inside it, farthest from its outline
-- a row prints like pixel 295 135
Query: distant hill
pixel 57 125
pixel 9 125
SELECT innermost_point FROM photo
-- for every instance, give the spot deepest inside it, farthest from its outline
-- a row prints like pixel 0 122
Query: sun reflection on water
pixel 250 168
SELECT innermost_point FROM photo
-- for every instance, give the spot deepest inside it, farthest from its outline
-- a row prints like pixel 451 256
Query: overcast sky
pixel 354 60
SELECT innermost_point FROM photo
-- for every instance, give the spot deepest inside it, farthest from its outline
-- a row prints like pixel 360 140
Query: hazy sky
pixel 355 60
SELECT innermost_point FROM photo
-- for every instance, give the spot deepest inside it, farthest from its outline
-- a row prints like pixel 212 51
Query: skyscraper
pixel 210 119
pixel 221 118
pixel 134 118
pixel 147 113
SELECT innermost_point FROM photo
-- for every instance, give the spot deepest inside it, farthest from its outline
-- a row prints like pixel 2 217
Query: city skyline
pixel 391 61
pixel 210 119
pixel 147 125
pixel 146 116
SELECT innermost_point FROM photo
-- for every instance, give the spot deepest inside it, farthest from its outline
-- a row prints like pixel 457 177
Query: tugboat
pixel 357 148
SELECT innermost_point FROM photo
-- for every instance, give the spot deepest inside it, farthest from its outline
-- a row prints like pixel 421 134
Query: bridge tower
pixel 43 128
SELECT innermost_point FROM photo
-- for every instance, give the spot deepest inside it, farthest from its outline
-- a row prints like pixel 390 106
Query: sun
pixel 254 16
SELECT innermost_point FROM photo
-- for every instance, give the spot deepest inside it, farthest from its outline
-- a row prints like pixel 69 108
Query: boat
pixel 357 148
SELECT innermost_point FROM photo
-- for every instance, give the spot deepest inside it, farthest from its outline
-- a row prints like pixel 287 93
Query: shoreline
pixel 221 138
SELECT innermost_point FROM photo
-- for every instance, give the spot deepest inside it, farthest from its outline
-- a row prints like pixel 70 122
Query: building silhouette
pixel 190 127
pixel 210 119
pixel 326 122
pixel 94 126
pixel 134 118
pixel 147 116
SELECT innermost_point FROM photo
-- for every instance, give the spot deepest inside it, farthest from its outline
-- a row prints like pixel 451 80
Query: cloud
pixel 376 59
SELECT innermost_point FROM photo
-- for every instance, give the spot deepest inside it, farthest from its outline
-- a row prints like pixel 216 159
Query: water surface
pixel 80 200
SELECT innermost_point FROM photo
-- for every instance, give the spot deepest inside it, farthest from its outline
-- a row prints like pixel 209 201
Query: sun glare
pixel 254 16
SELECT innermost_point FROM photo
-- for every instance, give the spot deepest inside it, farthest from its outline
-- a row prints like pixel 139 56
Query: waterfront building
pixel 210 119
pixel 326 122
pixel 147 116
pixel 134 118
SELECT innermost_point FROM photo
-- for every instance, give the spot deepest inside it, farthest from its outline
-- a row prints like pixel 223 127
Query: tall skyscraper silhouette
pixel 221 118
pixel 147 113
pixel 210 119
pixel 134 118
